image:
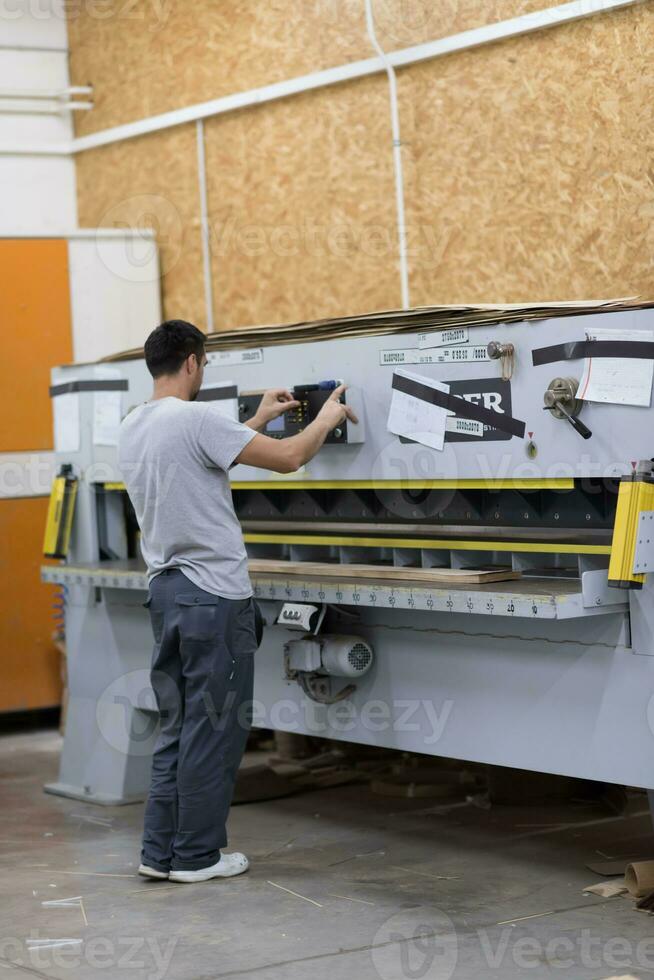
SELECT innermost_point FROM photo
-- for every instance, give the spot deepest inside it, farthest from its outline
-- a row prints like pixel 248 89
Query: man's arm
pixel 288 455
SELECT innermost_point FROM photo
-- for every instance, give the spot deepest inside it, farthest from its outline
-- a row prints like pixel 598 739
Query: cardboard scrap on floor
pixel 607 889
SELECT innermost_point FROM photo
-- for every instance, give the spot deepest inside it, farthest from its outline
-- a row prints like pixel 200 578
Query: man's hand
pixel 288 455
pixel 274 403
pixel 334 412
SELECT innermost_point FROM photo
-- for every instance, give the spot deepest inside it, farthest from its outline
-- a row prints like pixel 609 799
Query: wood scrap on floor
pixel 296 894
pixel 608 869
pixel 607 889
pixel 282 777
pixel 382 573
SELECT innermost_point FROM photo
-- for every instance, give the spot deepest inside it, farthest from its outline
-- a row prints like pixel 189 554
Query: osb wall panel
pixel 157 55
pixel 529 166
pixel 527 169
pixel 302 207
pixel 151 182
pixel 151 56
pixel 401 23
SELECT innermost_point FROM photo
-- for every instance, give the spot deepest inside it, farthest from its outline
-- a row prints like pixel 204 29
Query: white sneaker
pixel 228 866
pixel 151 872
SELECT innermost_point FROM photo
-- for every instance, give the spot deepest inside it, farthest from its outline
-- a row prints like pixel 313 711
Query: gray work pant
pixel 202 676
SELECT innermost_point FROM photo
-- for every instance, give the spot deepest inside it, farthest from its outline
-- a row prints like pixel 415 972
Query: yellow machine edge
pixel 563 483
pixel 553 484
pixel 59 520
pixel 636 494
pixel 446 544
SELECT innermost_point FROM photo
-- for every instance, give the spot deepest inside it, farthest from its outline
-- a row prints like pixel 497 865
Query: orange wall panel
pixel 29 661
pixel 36 335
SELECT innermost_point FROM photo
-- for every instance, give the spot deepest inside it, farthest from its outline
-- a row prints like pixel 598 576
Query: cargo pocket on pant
pixel 200 616
pixel 156 619
pixel 243 640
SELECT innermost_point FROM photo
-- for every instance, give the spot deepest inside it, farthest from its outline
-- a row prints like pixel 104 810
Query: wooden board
pixel 528 173
pixel 312 569
pixel 146 58
pixel 526 163
pixel 302 208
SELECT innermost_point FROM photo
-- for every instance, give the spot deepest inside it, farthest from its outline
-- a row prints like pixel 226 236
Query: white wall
pixel 37 193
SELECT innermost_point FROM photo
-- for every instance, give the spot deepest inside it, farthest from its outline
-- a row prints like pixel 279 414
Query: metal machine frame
pixel 553 672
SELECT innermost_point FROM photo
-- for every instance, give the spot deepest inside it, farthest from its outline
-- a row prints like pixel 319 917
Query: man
pixel 175 454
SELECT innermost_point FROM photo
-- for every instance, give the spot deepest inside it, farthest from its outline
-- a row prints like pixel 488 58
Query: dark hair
pixel 170 344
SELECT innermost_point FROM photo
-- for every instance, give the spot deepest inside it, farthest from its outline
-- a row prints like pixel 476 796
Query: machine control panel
pixel 311 398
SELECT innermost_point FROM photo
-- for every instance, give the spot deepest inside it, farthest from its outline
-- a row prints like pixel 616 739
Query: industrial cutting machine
pixel 463 574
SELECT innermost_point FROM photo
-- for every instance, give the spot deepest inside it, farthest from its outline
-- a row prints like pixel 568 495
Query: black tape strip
pixel 217 394
pixel 120 384
pixel 593 348
pixel 460 407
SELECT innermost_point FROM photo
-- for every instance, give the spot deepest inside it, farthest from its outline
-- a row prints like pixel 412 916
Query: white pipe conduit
pixel 44 95
pixel 397 157
pixel 515 27
pixel 205 227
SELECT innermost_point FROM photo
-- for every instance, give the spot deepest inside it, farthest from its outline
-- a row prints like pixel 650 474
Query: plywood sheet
pixel 302 208
pixel 156 55
pixel 401 23
pixel 30 662
pixel 36 336
pixel 152 182
pixel 529 166
pixel 527 169
pixel 151 56
pixel 382 573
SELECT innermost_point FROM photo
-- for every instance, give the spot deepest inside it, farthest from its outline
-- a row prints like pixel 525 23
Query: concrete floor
pixel 384 889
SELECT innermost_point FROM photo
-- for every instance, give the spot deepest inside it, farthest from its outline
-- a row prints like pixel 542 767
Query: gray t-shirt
pixel 174 457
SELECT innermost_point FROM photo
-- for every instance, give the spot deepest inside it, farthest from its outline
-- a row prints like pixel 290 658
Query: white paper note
pixel 106 410
pixel 416 419
pixel 618 380
pixel 66 422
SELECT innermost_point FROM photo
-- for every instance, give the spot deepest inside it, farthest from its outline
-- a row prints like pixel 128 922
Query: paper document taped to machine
pixel 618 380
pixel 106 410
pixel 415 418
pixel 66 422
